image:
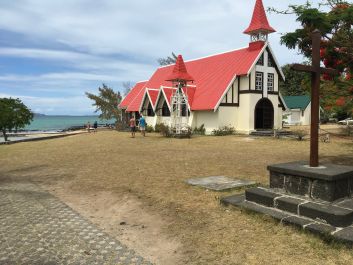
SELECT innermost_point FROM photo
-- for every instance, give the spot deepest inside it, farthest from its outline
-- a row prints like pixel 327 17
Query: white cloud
pixel 144 28
pixel 55 105
pixel 115 40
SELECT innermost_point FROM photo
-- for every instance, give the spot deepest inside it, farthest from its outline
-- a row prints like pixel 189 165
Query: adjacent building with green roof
pixel 298 110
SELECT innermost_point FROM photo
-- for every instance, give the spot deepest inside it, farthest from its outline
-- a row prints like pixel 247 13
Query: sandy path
pixel 127 219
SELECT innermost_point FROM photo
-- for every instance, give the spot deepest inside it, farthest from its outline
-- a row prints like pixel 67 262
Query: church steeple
pixel 259 27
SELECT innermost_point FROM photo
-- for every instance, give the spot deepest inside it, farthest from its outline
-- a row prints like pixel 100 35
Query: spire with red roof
pixel 179 72
pixel 259 27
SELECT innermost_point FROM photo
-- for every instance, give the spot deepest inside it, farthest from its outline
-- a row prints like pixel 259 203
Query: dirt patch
pixel 127 219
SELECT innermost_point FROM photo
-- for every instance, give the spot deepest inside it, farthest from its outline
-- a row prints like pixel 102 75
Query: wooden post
pixel 315 71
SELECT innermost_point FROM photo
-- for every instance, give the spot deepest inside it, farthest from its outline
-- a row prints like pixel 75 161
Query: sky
pixel 52 52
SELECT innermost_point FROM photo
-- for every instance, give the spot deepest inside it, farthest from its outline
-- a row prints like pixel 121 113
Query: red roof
pixel 212 75
pixel 132 94
pixel 259 20
pixel 179 71
pixel 136 102
pixel 153 94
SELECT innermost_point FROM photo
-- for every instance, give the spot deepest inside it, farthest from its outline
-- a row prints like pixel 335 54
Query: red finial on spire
pixel 259 22
pixel 179 71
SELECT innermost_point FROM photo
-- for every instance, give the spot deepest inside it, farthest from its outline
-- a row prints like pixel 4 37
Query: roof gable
pixel 132 94
pixel 212 75
pixel 297 102
pixel 135 104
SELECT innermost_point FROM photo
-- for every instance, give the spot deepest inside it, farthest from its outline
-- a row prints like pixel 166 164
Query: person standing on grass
pixel 95 126
pixel 89 127
pixel 133 126
pixel 142 125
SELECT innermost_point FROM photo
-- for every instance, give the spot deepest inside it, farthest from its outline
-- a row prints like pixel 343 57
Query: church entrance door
pixel 264 114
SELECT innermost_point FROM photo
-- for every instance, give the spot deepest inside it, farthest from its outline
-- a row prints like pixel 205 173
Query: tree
pixel 107 102
pixel 296 83
pixel 127 87
pixel 334 18
pixel 169 60
pixel 13 115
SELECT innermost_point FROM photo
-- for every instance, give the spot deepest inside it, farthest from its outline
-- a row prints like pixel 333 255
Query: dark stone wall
pixel 313 188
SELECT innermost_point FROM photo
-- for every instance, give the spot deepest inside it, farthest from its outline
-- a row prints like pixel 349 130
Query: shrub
pixel 222 131
pixel 165 130
pixel 158 126
pixel 149 128
pixel 199 130
pixel 300 134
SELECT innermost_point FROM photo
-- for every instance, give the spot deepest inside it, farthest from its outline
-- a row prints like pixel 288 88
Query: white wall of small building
pixel 297 116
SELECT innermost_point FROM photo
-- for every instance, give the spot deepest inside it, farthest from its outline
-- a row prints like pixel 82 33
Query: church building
pixel 238 88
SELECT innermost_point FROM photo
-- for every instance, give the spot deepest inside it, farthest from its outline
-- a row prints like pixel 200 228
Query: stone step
pixel 270 133
pixel 316 226
pixel 261 196
pixel 334 215
pixel 325 212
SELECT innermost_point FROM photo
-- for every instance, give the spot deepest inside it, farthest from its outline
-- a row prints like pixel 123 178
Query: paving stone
pixel 37 228
pixel 219 183
pixel 261 196
pixel 333 215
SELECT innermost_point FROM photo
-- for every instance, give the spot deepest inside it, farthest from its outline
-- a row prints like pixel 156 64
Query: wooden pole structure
pixel 315 71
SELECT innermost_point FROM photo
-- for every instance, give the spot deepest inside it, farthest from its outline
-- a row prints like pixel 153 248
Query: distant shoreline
pixel 61 123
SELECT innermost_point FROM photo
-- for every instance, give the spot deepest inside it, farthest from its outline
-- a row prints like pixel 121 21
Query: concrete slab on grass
pixel 219 183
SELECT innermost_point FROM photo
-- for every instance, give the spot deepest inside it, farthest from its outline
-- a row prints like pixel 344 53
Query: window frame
pixel 257 82
pixel 270 88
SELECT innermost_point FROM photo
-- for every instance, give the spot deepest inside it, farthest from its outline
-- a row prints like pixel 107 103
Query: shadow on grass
pixel 37 174
pixel 340 160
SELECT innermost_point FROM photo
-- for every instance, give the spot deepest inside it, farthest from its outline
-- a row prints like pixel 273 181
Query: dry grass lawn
pixel 153 170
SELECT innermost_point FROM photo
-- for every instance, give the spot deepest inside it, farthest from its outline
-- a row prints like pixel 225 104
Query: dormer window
pixel 165 110
pixel 261 60
pixel 259 81
pixel 150 112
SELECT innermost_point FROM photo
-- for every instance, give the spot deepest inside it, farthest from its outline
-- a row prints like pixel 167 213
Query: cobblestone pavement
pixel 37 228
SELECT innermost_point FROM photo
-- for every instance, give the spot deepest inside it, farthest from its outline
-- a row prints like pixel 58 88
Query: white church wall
pixel 244 83
pixel 151 121
pixel 162 119
pixel 227 116
pixel 243 115
pixel 277 120
pixel 208 118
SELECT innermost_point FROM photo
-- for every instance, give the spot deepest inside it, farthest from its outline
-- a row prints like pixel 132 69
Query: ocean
pixel 57 123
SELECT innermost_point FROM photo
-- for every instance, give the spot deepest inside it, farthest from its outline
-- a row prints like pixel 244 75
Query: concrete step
pixel 270 133
pixel 316 226
pixel 261 196
pixel 333 214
